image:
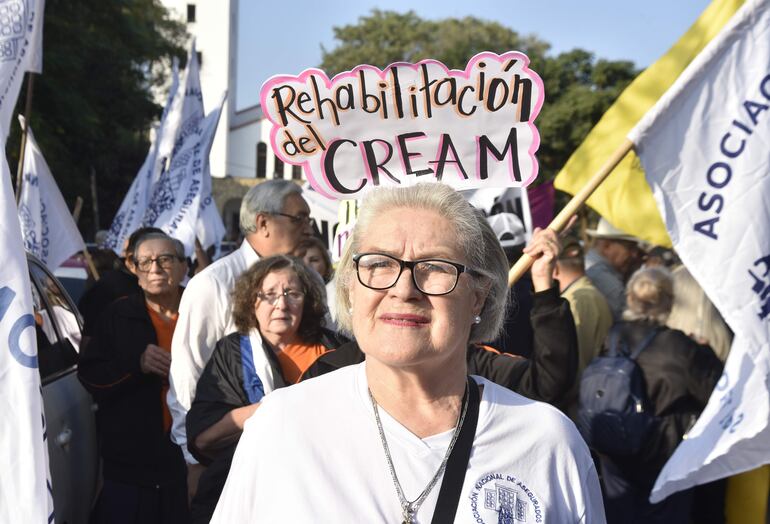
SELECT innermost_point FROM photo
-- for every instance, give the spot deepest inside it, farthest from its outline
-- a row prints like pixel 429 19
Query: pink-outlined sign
pixel 409 123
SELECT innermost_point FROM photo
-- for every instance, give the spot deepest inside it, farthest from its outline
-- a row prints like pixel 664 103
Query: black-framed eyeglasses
pixel 432 276
pixel 164 261
pixel 292 296
pixel 300 220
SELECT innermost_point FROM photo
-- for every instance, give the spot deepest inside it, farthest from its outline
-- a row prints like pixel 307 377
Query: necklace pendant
pixel 408 515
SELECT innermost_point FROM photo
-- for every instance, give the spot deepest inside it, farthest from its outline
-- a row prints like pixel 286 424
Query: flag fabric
pixel 21 40
pixel 131 212
pixel 175 205
pixel 704 150
pixel 25 489
pixel 184 117
pixel 324 212
pixel 624 198
pixel 47 227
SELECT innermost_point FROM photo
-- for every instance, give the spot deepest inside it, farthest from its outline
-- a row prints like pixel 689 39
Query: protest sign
pixel 48 229
pixel 704 151
pixel 25 487
pixel 409 123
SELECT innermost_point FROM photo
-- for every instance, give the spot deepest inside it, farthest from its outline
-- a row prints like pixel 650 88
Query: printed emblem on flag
pixel 13 14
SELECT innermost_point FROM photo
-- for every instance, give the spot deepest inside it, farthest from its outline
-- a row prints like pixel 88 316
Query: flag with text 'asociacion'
pixel 25 488
pixel 624 198
pixel 704 148
pixel 47 227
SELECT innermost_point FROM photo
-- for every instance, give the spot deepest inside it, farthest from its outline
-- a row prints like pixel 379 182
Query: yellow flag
pixel 624 198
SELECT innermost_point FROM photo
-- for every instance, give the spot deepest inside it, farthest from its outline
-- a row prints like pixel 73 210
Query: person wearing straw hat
pixel 615 255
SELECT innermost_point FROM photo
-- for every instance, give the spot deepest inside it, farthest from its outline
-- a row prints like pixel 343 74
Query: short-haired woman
pixel 278 309
pixel 408 435
pixel 125 366
pixel 680 375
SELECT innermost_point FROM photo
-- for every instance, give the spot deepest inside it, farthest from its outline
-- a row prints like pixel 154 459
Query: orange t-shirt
pixel 296 358
pixel 164 330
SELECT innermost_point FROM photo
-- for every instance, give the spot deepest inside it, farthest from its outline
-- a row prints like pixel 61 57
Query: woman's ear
pixel 479 297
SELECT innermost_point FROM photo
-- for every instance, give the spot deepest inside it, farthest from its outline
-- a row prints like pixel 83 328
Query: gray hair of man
pixel 268 197
pixel 178 246
pixel 486 258
pixel 649 295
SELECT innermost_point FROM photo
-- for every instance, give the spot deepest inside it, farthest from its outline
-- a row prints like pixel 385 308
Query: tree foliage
pixel 92 106
pixel 578 88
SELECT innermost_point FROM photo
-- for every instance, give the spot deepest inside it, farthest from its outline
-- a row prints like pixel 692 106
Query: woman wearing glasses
pixel 125 366
pixel 408 435
pixel 278 308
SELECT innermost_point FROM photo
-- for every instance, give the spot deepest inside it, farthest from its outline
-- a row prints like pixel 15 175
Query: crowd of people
pixel 407 384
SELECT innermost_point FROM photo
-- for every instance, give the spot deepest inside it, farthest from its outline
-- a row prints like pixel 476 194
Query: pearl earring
pixel 477 319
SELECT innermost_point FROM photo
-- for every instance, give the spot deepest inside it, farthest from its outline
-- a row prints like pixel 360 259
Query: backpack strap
pixel 645 342
pixel 615 340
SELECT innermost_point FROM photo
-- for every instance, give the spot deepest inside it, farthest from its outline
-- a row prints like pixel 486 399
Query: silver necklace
pixel 409 509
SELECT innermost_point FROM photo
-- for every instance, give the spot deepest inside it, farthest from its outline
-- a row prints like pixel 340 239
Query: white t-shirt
pixel 312 453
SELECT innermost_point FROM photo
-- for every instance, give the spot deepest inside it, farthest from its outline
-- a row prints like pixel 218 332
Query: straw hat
pixel 610 232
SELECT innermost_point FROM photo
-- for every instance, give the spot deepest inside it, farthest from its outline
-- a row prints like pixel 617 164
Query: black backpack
pixel 614 413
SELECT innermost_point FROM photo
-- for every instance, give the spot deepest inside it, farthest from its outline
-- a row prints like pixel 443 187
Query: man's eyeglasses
pixel 300 220
pixel 292 296
pixel 164 261
pixel 432 276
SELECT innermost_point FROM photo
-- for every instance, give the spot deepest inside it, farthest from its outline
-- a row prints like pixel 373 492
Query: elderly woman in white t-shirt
pixel 407 435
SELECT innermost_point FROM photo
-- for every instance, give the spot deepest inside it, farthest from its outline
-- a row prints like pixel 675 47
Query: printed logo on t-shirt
pixel 504 499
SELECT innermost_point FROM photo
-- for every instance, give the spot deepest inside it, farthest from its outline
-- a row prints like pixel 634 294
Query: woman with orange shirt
pixel 278 308
pixel 125 367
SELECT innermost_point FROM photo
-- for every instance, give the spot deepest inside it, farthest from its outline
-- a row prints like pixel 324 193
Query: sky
pixel 285 37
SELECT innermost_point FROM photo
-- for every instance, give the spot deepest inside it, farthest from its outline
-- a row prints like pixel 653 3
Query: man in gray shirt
pixel 615 255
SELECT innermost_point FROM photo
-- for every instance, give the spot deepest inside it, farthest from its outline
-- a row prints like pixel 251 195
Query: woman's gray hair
pixel 178 246
pixel 649 295
pixel 268 197
pixel 470 225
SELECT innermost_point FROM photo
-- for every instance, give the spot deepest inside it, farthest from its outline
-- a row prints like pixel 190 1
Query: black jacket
pixel 547 376
pixel 219 391
pixel 679 374
pixel 134 446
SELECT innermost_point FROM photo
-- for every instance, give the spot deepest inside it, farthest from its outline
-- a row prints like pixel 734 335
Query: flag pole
pixel 86 254
pixel 27 112
pixel 560 221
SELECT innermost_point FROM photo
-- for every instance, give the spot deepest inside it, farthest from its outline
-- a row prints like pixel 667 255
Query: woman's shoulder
pixel 517 411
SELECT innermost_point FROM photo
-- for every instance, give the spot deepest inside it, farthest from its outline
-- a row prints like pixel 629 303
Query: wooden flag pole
pixel 86 254
pixel 560 221
pixel 27 112
pixel 90 262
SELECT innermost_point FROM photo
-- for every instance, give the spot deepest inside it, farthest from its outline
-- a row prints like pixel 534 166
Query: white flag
pixel 21 41
pixel 185 115
pixel 495 200
pixel 131 212
pixel 24 484
pixel 48 229
pixel 175 206
pixel 704 148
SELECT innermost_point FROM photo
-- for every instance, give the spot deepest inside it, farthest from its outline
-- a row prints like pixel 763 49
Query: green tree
pixel 578 88
pixel 92 106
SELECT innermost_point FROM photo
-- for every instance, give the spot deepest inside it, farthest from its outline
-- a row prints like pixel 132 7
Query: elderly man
pixel 274 218
pixel 615 255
